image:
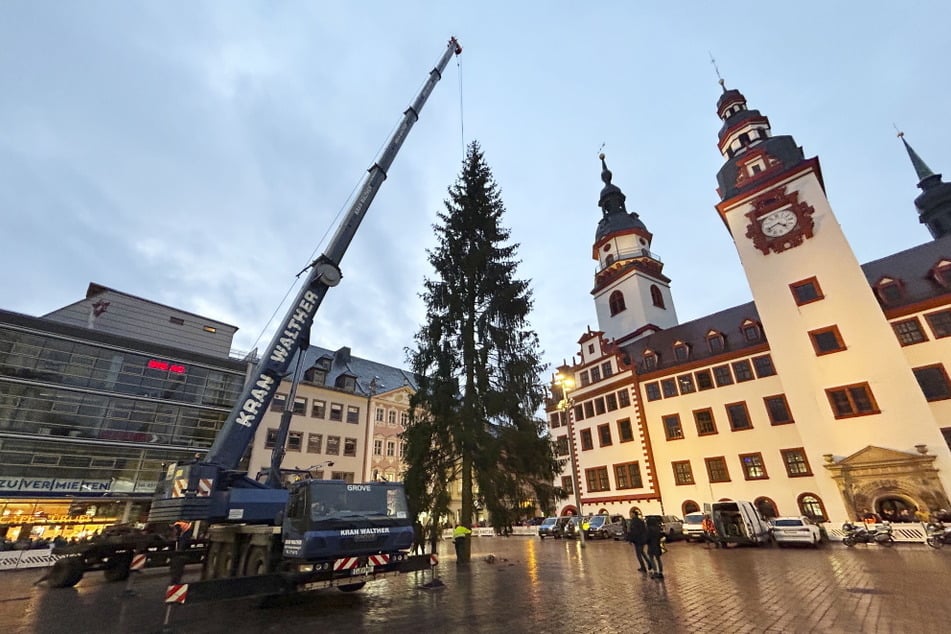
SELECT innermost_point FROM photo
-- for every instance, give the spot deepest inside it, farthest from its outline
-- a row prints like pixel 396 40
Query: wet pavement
pixel 547 586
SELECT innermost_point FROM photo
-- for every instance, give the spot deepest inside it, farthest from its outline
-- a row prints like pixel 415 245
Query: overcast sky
pixel 196 153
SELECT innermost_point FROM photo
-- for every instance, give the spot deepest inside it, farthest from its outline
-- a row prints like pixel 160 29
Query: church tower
pixel 631 293
pixel 934 203
pixel 844 373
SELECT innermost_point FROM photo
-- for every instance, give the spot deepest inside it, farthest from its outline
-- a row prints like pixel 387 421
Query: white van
pixel 739 523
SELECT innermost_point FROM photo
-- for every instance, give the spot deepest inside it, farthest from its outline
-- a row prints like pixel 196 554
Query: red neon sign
pixel 165 366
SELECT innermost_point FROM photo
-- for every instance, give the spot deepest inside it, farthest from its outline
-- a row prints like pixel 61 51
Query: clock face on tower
pixel 779 221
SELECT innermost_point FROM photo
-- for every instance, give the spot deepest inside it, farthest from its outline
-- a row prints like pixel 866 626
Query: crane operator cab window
pixel 338 499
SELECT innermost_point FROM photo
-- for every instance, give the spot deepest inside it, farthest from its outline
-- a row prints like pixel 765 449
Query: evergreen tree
pixel 478 365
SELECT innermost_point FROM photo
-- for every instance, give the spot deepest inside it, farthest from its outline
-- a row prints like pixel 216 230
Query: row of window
pixel 738 416
pixel 389 416
pixel 52 411
pixel 718 376
pixel 593 407
pixel 846 401
pixel 751 464
pixel 627 475
pixel 315 443
pixel 391 447
pixel 595 374
pixel 80 365
pixel 809 504
pixel 318 409
pixel 909 331
pixel 716 343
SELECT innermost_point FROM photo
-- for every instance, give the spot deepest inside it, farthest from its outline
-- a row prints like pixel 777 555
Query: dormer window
pixel 890 291
pixel 751 331
pixel 324 363
pixel 657 297
pixel 942 273
pixel 681 351
pixel 346 382
pixel 715 342
pixel 315 376
pixel 616 302
pixel 650 360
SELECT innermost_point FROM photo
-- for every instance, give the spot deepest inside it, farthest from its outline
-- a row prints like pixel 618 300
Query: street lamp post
pixel 564 382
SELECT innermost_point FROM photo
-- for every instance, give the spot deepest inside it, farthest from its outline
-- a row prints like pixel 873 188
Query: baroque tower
pixel 844 373
pixel 631 293
pixel 934 203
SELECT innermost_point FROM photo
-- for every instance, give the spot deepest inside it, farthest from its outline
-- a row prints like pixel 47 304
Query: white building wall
pixel 873 354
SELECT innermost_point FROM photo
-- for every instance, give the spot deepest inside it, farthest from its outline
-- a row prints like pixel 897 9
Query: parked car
pixel 672 526
pixel 600 526
pixel 571 528
pixel 693 527
pixel 795 530
pixel 547 527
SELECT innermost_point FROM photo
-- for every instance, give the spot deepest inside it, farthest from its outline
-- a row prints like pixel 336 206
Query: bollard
pixel 175 593
pixel 434 583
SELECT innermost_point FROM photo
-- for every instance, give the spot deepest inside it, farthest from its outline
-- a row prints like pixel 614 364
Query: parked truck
pixel 271 538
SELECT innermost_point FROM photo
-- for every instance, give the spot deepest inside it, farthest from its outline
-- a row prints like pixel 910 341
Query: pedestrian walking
pixel 655 550
pixel 637 535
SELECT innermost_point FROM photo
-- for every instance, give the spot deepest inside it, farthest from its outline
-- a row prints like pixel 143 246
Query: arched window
pixel 689 507
pixel 766 508
pixel 633 510
pixel 812 507
pixel 657 297
pixel 616 302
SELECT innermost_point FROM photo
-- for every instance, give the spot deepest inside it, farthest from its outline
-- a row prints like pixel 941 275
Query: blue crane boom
pixel 204 488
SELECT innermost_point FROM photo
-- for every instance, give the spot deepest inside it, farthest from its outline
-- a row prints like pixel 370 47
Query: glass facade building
pixel 89 419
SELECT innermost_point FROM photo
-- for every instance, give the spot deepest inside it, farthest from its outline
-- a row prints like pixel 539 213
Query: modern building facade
pixel 95 398
pixel 825 396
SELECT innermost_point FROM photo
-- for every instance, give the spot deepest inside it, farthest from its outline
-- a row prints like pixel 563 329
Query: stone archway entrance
pixel 885 481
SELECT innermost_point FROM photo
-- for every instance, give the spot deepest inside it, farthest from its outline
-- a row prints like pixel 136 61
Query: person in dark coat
pixel 654 551
pixel 637 535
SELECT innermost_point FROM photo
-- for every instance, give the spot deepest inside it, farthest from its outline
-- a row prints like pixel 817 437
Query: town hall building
pixel 826 396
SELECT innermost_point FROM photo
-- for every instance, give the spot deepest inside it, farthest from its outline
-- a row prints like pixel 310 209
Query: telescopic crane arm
pixel 238 431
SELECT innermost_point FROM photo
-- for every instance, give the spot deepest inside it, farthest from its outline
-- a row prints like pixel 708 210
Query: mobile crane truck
pixel 268 539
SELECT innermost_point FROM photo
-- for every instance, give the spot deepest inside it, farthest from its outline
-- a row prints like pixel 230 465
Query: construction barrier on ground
pixel 33 558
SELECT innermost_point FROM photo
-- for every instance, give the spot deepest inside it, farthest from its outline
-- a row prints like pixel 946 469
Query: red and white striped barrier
pixel 347 563
pixel 204 487
pixel 176 593
pixel 138 562
pixel 433 559
pixel 379 560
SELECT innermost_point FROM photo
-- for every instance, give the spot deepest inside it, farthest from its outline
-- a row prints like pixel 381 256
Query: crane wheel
pixel 119 568
pixel 258 562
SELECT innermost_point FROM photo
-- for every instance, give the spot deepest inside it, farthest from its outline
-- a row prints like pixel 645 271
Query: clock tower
pixel 844 373
pixel 631 293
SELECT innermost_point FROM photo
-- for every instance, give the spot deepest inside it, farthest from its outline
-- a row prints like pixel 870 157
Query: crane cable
pixel 346 204
pixel 462 122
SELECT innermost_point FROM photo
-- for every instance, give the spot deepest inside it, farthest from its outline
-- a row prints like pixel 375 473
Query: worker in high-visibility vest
pixel 183 534
pixel 459 534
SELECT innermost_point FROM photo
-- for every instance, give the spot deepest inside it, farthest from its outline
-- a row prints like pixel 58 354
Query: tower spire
pixel 921 169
